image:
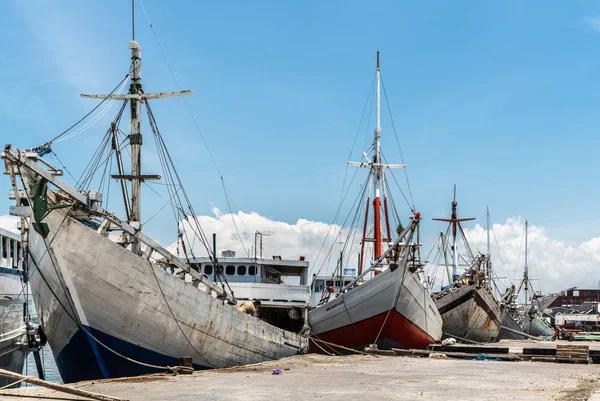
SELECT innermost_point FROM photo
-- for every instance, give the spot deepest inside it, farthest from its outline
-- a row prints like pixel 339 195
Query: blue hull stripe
pixel 83 359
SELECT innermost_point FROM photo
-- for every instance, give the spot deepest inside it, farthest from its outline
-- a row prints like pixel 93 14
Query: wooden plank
pixel 461 355
pixel 539 351
pixel 470 349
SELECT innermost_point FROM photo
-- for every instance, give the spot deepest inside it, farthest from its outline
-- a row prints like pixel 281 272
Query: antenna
pixel 132 19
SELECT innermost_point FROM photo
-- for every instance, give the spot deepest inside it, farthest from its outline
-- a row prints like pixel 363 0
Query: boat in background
pixel 468 306
pixel 279 284
pixel 14 334
pixel 393 307
pixel 528 316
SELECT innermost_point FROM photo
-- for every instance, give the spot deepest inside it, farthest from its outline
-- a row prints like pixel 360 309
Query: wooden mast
pixel 455 223
pixel 136 98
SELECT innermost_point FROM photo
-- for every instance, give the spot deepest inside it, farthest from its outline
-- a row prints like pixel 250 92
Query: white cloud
pixel 593 22
pixel 556 264
pixel 290 241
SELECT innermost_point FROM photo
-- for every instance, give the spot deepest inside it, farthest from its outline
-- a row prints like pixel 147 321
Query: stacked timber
pixel 573 354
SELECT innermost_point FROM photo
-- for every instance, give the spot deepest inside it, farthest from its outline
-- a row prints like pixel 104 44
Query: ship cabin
pixel 11 253
pixel 325 287
pixel 279 284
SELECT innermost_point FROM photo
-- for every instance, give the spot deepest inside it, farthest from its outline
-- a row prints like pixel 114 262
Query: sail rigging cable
pixel 397 142
pixel 93 121
pixel 91 111
pixel 189 109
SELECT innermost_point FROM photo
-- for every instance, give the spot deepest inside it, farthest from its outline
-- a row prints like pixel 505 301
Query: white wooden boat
pixel 393 308
pixel 112 301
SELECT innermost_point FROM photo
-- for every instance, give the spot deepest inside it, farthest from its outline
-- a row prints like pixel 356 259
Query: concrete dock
pixel 355 377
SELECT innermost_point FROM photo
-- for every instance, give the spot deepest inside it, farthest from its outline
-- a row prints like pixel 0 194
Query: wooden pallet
pixel 573 354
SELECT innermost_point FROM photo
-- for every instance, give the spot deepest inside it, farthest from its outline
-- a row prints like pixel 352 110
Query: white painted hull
pixel 470 312
pixel 393 309
pixel 13 333
pixel 115 296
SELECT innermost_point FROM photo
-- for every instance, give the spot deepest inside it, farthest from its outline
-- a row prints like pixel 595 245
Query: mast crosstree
pixel 455 223
pixel 136 97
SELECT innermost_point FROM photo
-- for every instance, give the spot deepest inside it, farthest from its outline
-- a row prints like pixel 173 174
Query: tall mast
pixel 455 223
pixel 136 98
pixel 454 250
pixel 525 270
pixel 377 169
pixel 135 139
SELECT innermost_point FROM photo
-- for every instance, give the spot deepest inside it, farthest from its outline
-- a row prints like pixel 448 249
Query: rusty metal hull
pixel 470 312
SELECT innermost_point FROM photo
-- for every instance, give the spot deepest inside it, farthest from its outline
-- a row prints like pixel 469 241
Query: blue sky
pixel 500 98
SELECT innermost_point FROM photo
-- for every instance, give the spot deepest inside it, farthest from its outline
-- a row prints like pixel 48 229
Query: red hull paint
pixel 397 332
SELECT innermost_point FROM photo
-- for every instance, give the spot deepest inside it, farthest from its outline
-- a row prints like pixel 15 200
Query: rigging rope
pixel 90 112
pixel 397 142
pixel 193 117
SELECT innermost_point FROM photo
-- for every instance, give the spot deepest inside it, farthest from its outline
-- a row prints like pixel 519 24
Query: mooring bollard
pixel 186 361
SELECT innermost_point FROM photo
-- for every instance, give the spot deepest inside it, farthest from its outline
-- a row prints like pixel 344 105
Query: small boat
pixel 111 300
pixel 392 308
pixel 534 325
pixel 13 329
pixel 527 315
pixel 468 306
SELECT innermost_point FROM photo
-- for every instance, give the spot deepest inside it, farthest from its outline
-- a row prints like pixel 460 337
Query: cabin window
pixel 319 285
pixel 230 270
pixel 241 270
pixel 575 293
pixel 12 249
pixel 4 247
pixel 208 270
pixel 346 283
pixel 329 283
pixel 252 271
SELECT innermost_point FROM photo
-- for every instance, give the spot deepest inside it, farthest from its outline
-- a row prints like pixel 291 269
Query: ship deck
pixel 350 378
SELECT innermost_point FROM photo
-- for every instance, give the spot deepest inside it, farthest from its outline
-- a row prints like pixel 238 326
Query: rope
pixel 317 344
pixel 232 217
pixel 15 383
pixel 81 327
pixel 88 114
pixel 342 347
pixel 176 321
pixel 397 142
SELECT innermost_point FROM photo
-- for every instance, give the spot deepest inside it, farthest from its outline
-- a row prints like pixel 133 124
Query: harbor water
pixel 50 368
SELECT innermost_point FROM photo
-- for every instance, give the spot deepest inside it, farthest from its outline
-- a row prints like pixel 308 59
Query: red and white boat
pixel 389 303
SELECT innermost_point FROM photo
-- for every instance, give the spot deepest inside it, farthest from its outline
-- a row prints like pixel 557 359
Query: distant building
pixel 576 296
pixel 228 254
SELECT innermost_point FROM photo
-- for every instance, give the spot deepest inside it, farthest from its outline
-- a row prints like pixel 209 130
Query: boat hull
pixel 90 291
pixel 534 326
pixel 470 312
pixel 13 332
pixel 393 309
pixel 509 321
